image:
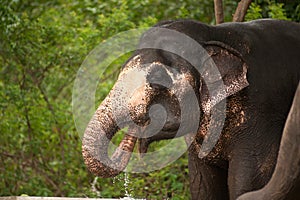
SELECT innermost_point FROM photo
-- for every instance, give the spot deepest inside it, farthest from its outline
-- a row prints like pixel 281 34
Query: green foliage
pixel 42 45
pixel 276 11
pixel 293 10
pixel 273 9
pixel 254 12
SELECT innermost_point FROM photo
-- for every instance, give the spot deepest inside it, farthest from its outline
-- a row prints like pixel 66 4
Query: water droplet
pixel 126 188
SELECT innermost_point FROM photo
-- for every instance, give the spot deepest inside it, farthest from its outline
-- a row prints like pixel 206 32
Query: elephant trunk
pixel 96 139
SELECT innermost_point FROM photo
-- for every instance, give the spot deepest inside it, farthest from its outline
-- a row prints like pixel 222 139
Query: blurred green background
pixel 42 45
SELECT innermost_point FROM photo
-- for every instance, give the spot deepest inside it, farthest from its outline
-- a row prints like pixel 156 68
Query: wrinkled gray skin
pixel 284 179
pixel 259 65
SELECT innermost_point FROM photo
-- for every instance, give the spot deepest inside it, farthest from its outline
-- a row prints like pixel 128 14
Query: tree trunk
pixel 219 11
pixel 241 10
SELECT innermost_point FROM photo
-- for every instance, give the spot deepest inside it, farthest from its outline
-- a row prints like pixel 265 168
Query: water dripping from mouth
pixel 94 188
pixel 128 195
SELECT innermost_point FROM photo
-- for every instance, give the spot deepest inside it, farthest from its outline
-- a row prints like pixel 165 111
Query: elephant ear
pixel 224 73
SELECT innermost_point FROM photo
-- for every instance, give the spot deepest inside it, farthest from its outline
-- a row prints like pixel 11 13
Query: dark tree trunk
pixel 241 10
pixel 219 11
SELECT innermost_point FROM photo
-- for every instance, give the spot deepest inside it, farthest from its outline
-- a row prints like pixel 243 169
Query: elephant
pixel 285 177
pixel 258 71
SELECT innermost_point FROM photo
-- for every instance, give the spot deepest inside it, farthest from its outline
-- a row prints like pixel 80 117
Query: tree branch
pixel 219 11
pixel 241 10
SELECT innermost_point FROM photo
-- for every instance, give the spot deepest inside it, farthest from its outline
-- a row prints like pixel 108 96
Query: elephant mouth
pixel 140 134
pixel 168 132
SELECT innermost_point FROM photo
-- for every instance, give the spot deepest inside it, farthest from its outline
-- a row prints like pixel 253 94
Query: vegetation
pixel 42 45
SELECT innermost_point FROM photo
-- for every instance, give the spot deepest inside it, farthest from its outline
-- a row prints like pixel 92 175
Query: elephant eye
pixel 159 76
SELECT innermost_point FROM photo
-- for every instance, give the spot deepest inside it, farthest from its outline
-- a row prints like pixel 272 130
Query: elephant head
pixel 152 90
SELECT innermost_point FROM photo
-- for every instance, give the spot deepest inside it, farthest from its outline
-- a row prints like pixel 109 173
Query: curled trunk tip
pixel 96 140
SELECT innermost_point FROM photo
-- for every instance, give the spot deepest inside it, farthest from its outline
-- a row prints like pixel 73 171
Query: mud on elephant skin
pixel 259 67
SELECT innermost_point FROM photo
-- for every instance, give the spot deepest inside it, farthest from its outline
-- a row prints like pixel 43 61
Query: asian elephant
pixel 284 182
pixel 258 66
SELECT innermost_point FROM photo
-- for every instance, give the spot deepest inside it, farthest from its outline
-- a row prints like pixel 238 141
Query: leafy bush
pixel 254 12
pixel 272 9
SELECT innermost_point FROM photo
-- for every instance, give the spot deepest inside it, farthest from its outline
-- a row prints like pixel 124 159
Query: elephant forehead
pixel 131 63
pixel 131 79
pixel 136 73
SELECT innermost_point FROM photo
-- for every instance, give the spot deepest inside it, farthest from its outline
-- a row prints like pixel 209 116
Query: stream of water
pixel 127 196
pixel 126 182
